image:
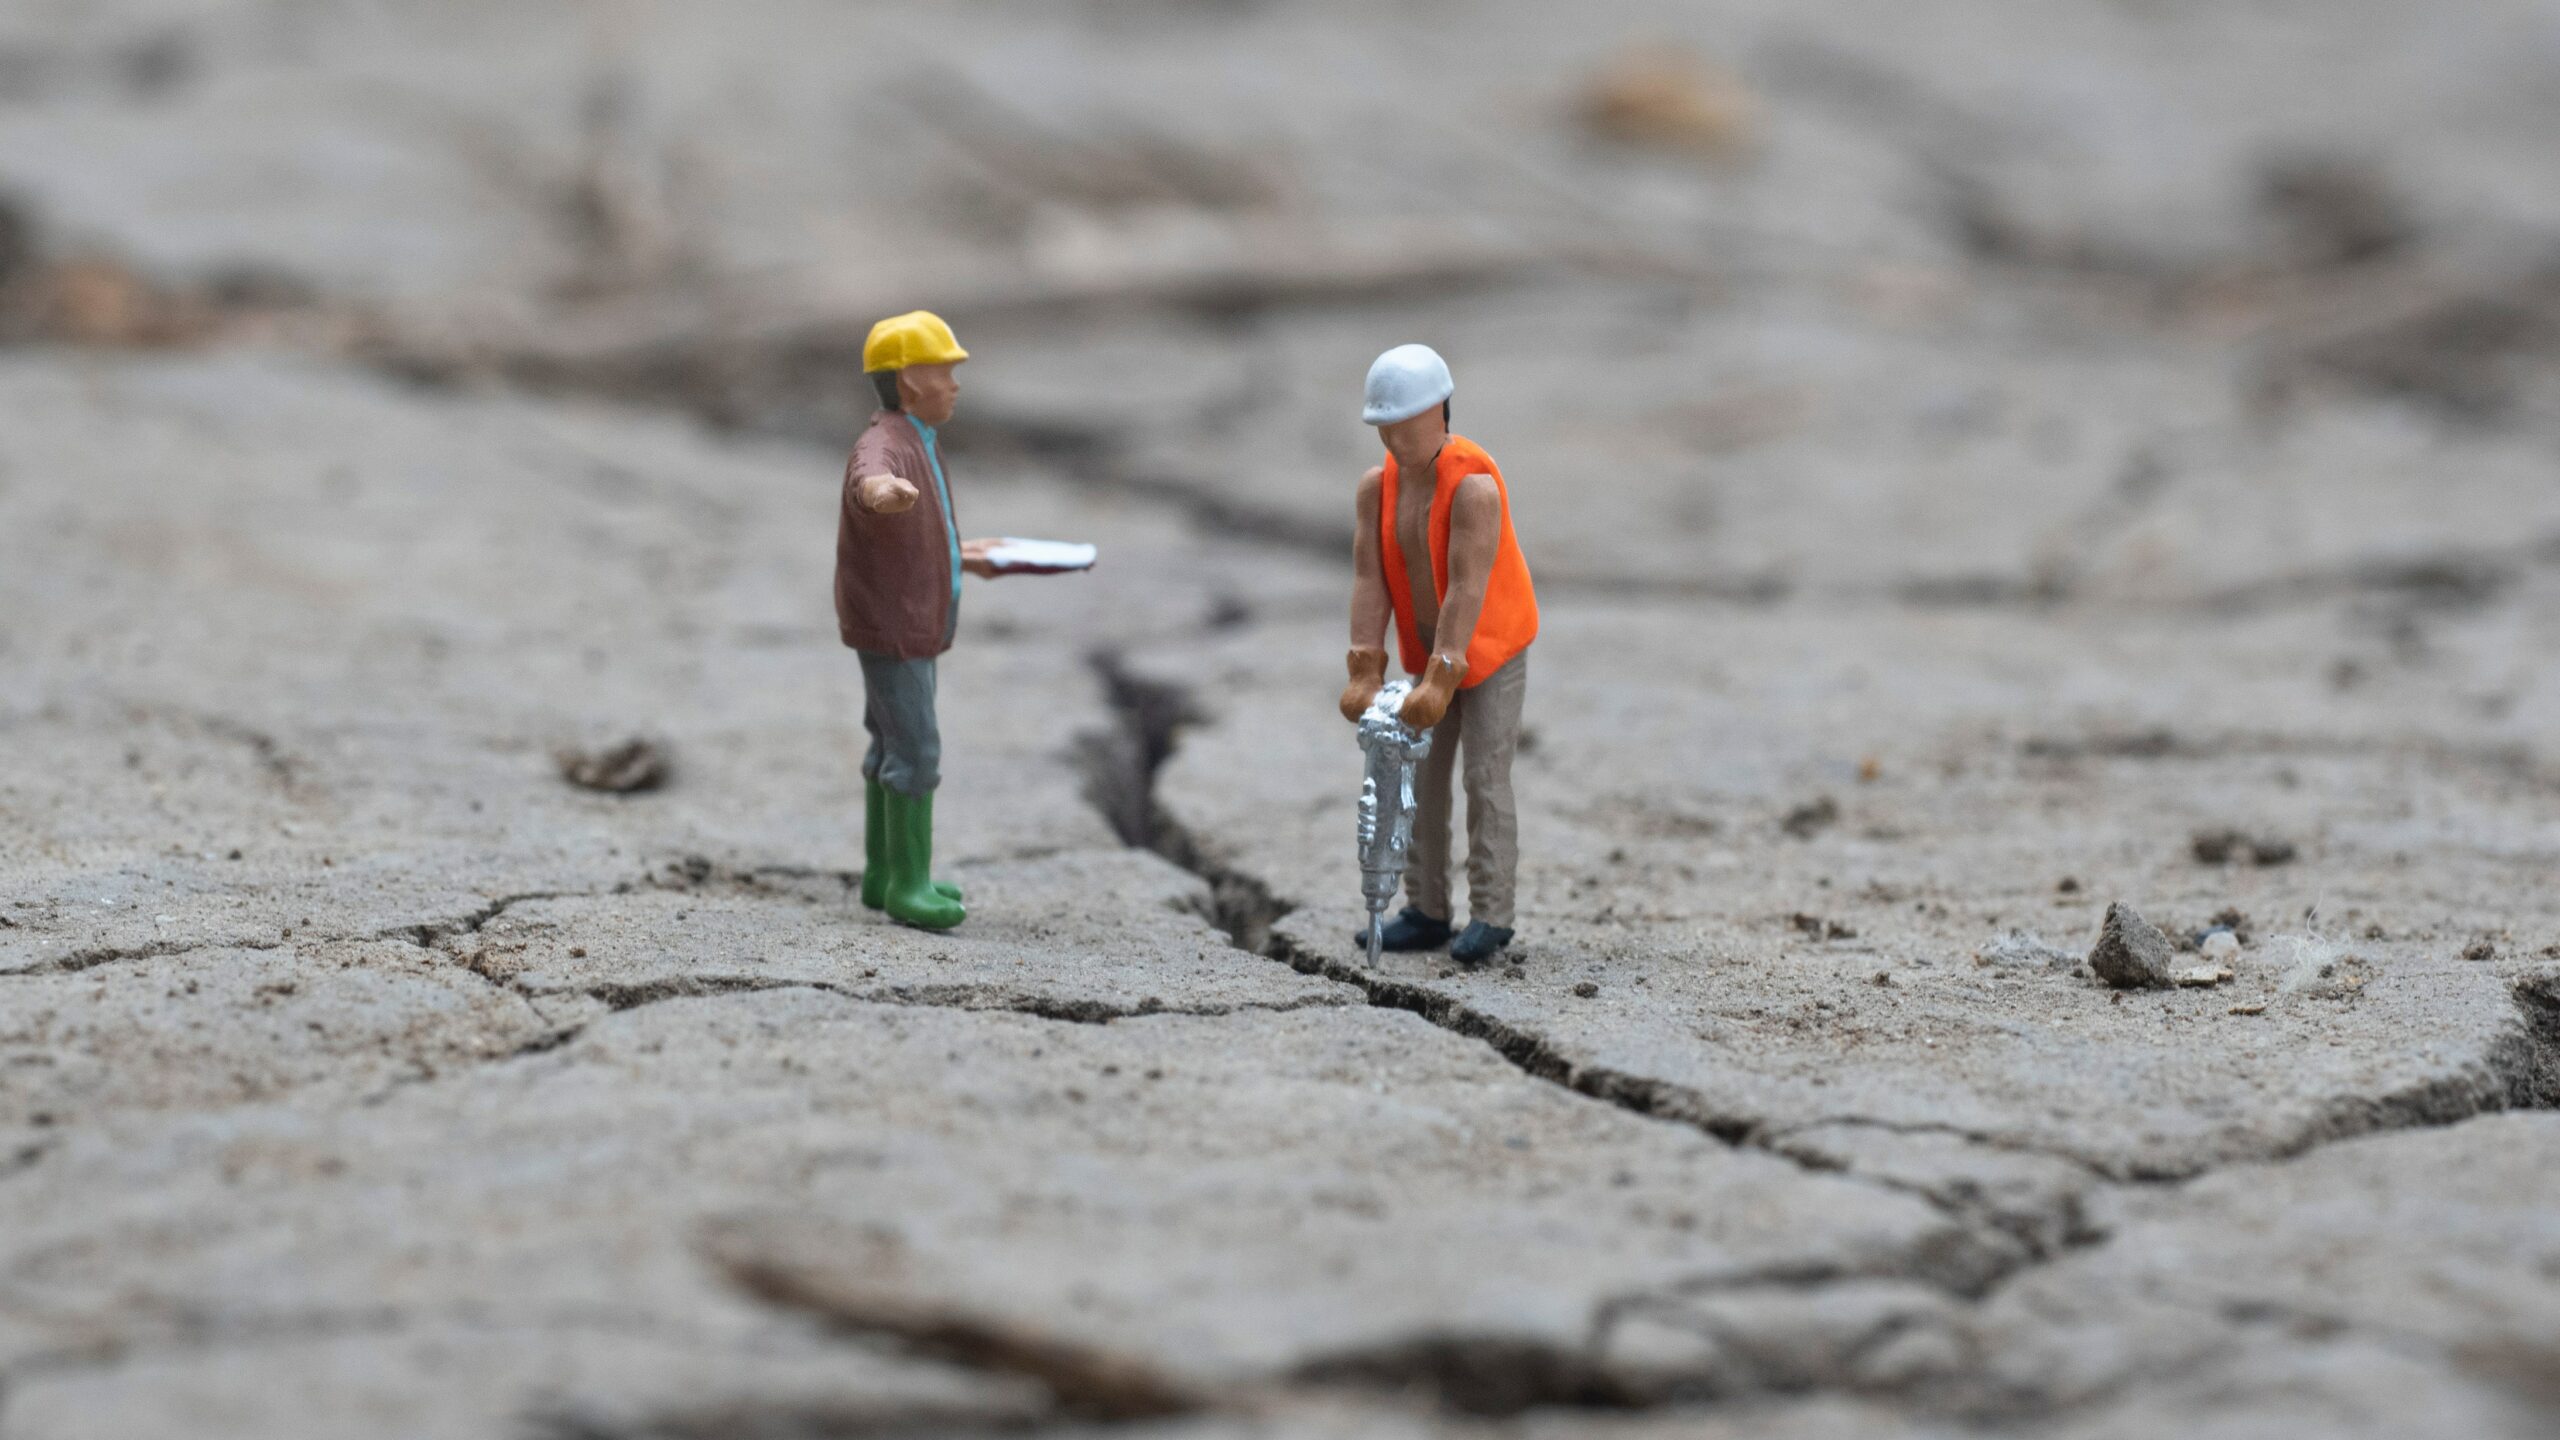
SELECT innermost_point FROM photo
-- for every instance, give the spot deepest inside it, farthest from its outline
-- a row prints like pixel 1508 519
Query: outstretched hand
pixel 884 494
pixel 974 558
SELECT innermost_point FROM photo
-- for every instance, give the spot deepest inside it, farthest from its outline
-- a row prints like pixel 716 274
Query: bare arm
pixel 1369 604
pixel 1475 538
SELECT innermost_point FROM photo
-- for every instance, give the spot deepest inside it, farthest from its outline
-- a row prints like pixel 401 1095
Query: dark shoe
pixel 1481 943
pixel 1411 930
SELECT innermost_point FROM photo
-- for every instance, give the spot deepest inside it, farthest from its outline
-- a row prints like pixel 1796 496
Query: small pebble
pixel 1586 989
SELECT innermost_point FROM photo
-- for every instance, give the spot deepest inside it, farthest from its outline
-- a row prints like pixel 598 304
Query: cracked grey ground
pixel 1944 514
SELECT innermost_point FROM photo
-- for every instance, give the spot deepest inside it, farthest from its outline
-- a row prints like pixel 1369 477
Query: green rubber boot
pixel 911 895
pixel 875 849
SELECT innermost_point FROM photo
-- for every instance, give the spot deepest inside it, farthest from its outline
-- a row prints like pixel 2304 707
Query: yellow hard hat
pixel 918 337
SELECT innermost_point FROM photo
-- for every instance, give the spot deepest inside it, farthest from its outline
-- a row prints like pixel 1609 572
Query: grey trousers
pixel 1485 721
pixel 897 708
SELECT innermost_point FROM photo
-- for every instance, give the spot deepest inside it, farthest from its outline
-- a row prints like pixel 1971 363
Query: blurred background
pixel 1962 304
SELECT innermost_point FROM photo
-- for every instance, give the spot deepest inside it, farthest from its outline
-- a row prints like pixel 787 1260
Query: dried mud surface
pixel 1982 464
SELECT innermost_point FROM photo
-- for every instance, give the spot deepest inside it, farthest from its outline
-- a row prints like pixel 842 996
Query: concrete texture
pixel 1981 467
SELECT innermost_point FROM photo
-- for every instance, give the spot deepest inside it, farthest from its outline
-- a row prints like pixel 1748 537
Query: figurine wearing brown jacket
pixel 899 559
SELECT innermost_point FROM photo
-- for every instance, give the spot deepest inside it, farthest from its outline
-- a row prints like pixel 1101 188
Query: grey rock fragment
pixel 2131 952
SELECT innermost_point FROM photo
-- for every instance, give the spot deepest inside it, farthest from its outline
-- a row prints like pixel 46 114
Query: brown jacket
pixel 893 572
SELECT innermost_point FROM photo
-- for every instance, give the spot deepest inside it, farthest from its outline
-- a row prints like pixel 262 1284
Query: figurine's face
pixel 929 392
pixel 1416 437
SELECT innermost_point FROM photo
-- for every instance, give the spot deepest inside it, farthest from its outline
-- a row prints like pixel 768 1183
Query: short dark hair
pixel 884 383
pixel 1444 414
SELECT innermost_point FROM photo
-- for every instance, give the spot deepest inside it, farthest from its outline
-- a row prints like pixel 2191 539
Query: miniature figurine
pixel 1439 558
pixel 898 568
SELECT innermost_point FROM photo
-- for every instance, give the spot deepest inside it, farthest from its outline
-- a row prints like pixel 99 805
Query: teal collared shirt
pixel 942 492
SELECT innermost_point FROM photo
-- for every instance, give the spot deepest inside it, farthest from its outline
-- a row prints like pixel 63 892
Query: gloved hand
pixel 1429 701
pixel 1368 676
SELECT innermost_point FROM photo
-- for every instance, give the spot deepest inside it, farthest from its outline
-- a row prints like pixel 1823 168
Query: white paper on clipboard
pixel 1010 556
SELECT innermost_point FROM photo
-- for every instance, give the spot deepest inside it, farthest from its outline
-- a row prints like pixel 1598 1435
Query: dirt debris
pixel 2231 918
pixel 2332 210
pixel 93 300
pixel 2226 845
pixel 1820 927
pixel 1811 818
pixel 2152 743
pixel 627 768
pixel 2131 953
pixel 99 299
pixel 1668 98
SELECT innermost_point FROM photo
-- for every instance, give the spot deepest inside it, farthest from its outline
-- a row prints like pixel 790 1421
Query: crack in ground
pixel 435 934
pixel 443 937
pixel 1484 1374
pixel 1506 1375
pixel 92 958
pixel 1987 1139
pixel 1065 1009
pixel 1086 1379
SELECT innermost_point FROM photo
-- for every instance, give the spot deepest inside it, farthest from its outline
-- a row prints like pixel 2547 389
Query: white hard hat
pixel 1404 382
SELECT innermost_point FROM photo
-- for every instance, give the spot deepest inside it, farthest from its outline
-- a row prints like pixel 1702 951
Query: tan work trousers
pixel 1484 721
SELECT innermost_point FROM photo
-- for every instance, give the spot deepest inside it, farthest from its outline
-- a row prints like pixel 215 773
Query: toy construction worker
pixel 1434 551
pixel 899 559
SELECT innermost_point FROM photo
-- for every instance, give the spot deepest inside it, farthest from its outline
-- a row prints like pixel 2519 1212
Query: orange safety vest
pixel 1510 618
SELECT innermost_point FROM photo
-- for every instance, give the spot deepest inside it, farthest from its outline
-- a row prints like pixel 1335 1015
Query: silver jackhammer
pixel 1393 749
